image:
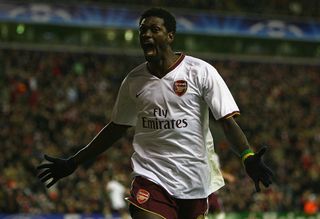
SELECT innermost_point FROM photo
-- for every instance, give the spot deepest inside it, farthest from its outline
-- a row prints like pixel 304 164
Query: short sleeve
pixel 217 94
pixel 124 111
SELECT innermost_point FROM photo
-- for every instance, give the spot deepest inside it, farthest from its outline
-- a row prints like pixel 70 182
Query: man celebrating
pixel 167 99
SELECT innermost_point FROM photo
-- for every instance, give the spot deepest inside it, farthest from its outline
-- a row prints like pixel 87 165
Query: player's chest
pixel 176 92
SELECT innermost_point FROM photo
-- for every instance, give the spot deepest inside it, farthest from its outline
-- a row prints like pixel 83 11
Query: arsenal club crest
pixel 142 196
pixel 180 87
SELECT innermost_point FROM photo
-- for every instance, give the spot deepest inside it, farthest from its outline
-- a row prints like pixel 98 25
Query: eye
pixel 155 29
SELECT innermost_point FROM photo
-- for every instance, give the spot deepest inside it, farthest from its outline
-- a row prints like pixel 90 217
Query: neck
pixel 161 68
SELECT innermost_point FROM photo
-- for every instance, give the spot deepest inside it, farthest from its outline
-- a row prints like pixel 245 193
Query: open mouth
pixel 149 49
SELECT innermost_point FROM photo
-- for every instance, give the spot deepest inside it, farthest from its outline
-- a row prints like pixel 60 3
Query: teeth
pixel 150 51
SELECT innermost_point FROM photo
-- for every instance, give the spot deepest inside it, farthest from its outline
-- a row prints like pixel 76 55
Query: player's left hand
pixel 258 170
pixel 55 169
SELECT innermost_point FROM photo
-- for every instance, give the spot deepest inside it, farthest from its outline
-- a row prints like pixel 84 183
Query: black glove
pixel 257 170
pixel 56 169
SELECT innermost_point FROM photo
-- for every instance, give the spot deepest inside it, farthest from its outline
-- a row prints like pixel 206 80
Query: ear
pixel 170 37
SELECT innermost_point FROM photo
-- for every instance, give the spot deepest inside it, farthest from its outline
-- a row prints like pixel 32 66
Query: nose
pixel 146 33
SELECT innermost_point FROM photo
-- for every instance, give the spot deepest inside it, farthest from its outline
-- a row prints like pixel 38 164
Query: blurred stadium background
pixel 61 63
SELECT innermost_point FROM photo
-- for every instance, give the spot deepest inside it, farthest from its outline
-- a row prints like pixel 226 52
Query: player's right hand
pixel 258 170
pixel 55 169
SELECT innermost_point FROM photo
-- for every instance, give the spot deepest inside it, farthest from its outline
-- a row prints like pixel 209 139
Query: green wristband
pixel 246 153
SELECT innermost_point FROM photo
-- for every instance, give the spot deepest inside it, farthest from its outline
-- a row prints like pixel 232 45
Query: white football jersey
pixel 173 144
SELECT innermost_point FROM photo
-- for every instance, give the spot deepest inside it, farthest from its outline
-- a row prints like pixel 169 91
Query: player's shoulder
pixel 199 64
pixel 194 61
pixel 137 71
pixel 140 69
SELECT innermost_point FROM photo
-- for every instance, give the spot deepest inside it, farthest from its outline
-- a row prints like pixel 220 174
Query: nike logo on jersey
pixel 138 94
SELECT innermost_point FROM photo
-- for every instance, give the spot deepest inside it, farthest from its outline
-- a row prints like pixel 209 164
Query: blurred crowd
pixel 54 103
pixel 292 8
pixel 296 8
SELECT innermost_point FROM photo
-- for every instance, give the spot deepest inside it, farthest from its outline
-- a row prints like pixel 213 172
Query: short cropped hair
pixel 168 18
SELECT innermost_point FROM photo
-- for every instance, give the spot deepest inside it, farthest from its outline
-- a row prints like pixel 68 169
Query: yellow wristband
pixel 246 156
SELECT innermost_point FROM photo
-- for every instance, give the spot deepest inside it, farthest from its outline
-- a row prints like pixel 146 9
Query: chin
pixel 152 58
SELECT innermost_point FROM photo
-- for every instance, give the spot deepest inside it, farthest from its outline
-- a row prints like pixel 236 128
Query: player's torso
pixel 172 129
pixel 172 104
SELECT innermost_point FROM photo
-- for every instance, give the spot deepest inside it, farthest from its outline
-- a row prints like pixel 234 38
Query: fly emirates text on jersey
pixel 162 122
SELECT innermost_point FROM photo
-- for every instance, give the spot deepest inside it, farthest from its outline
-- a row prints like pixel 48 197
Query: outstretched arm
pixel 101 142
pixel 58 168
pixel 235 135
pixel 253 163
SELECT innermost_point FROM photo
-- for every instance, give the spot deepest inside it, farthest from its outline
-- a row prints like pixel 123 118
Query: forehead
pixel 149 21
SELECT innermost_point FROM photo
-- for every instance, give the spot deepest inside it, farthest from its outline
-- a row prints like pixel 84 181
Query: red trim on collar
pixel 176 63
pixel 173 66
